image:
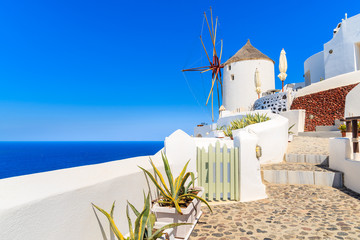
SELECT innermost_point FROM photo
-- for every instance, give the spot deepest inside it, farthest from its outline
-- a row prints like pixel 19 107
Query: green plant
pixel 289 130
pixel 177 193
pixel 228 131
pixel 220 128
pixel 342 128
pixel 144 223
pixel 249 119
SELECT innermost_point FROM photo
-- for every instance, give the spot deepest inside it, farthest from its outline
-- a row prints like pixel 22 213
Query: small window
pixel 229 67
pixel 232 77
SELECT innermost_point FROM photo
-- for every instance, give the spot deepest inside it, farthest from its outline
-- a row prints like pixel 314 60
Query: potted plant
pixel 144 224
pixel 342 128
pixel 179 201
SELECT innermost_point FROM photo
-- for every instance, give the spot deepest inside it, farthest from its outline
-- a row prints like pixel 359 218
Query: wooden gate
pixel 218 172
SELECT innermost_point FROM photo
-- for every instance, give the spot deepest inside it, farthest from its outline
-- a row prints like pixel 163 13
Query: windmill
pixel 215 65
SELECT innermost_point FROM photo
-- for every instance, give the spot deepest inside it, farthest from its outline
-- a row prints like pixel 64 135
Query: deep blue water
pixel 20 158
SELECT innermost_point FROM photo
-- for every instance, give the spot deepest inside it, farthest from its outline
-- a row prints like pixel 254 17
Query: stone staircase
pixel 305 166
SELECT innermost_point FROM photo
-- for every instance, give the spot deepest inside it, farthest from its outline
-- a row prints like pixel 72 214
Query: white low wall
pixel 330 83
pixel 56 205
pixel 340 159
pixel 272 134
pixel 205 142
pixel 352 102
pixel 296 117
pixel 273 138
pixel 251 186
pixel 229 117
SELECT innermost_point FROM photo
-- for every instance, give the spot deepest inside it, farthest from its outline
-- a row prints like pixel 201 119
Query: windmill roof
pixel 247 52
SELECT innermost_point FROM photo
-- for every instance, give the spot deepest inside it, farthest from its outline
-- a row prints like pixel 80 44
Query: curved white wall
pixel 343 58
pixel 240 93
pixel 315 65
pixel 352 102
pixel 272 135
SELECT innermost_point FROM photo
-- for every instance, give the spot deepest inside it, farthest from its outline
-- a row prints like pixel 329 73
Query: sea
pixel 21 158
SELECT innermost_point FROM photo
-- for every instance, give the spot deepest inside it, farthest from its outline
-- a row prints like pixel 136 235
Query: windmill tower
pixel 239 77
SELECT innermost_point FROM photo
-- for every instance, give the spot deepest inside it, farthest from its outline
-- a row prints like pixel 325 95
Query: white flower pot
pixel 170 215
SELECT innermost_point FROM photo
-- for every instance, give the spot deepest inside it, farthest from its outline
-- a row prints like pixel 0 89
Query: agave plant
pixel 244 122
pixel 144 223
pixel 177 193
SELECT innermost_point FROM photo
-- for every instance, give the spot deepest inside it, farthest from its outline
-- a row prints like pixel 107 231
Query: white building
pixel 239 91
pixel 340 55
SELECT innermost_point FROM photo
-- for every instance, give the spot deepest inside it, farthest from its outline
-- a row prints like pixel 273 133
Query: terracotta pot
pixel 343 134
pixel 170 215
pixel 200 125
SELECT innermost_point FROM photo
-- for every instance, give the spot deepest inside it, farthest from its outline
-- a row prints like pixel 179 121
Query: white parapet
pixel 57 205
pixel 296 119
pixel 342 159
pixel 251 186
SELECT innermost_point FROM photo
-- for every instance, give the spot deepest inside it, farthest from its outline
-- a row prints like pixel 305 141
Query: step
pixel 301 173
pixel 326 128
pixel 307 158
pixel 322 134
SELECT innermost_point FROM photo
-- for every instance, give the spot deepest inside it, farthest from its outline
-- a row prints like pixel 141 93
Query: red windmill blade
pixel 215 64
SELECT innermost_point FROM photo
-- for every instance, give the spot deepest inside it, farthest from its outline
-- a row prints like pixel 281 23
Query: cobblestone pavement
pixel 309 145
pixel 296 167
pixel 290 212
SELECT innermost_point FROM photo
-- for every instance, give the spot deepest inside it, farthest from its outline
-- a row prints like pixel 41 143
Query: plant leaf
pixel 140 223
pixel 197 197
pixel 129 222
pixel 112 223
pixel 179 179
pixel 182 183
pixel 158 173
pixel 168 173
pixel 156 183
pixel 136 212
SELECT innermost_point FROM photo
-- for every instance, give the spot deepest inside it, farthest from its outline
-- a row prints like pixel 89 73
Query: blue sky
pixel 111 70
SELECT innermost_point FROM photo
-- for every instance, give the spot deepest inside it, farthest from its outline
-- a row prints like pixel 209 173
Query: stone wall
pixel 277 103
pixel 325 106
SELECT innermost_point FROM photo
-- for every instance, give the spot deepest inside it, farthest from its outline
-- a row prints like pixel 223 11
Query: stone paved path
pixel 309 145
pixel 290 212
pixel 296 167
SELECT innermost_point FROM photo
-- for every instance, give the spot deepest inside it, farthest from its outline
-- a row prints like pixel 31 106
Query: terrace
pixel 301 211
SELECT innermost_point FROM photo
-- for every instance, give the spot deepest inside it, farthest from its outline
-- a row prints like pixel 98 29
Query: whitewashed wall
pixel 205 142
pixel 56 205
pixel 343 58
pixel 315 65
pixel 272 134
pixel 251 186
pixel 229 117
pixel 352 102
pixel 240 93
pixel 341 159
pixel 335 82
pixel 296 117
pixel 272 137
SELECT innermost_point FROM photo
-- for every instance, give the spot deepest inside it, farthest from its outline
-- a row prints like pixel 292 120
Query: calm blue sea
pixel 20 158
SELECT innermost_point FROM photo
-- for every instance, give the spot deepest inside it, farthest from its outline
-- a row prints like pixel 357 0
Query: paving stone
pixel 290 212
